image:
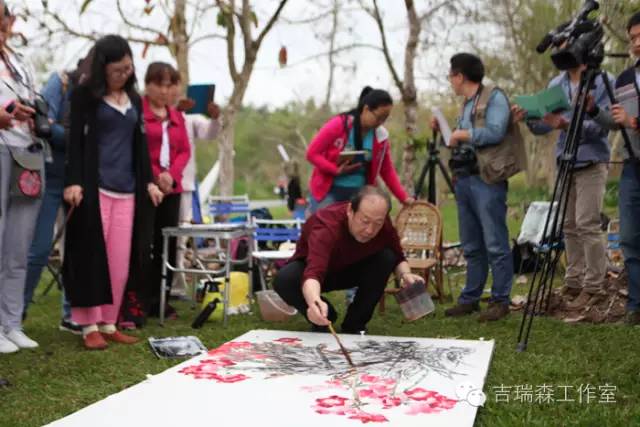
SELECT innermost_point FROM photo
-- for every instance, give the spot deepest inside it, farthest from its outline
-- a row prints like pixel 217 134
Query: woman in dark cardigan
pixel 110 188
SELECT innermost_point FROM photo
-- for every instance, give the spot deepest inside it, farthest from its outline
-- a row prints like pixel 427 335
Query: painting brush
pixel 342 348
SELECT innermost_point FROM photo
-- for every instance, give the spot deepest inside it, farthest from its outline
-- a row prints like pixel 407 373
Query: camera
pixel 463 160
pixel 576 42
pixel 42 127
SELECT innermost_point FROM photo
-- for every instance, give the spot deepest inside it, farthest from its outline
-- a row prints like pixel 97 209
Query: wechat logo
pixel 473 395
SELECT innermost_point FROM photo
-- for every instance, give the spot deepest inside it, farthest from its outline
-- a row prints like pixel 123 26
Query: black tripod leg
pixel 446 176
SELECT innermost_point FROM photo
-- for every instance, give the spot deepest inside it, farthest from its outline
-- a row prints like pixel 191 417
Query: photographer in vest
pixel 487 150
pixel 586 252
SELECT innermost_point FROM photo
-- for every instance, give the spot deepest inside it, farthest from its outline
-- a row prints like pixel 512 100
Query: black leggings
pixel 370 276
pixel 165 215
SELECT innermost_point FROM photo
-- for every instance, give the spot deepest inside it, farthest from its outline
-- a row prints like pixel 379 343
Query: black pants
pixel 165 215
pixel 370 276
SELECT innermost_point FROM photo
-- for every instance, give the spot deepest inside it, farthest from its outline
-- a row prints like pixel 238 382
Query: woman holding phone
pixel 352 150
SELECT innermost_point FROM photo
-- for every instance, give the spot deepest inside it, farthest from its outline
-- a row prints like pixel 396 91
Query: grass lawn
pixel 60 377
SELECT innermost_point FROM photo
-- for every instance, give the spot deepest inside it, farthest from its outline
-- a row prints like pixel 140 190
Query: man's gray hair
pixel 366 191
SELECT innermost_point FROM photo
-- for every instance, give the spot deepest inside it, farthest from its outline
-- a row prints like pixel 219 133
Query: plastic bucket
pixel 273 308
pixel 414 301
pixel 237 294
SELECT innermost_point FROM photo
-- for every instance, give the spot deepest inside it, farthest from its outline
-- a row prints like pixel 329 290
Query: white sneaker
pixel 7 346
pixel 20 339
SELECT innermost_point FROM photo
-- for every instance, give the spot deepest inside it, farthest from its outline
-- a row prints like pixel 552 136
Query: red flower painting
pixel 363 394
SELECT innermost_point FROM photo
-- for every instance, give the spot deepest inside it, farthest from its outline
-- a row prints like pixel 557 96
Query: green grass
pixel 60 377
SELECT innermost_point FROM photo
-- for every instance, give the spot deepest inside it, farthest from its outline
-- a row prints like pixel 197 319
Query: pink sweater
pixel 325 148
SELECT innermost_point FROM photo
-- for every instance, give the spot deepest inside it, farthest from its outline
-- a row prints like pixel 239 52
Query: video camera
pixel 576 42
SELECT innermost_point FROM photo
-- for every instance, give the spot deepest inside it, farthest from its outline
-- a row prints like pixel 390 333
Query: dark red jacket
pixel 327 246
pixel 179 148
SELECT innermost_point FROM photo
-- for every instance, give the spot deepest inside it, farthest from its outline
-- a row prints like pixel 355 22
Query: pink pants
pixel 117 226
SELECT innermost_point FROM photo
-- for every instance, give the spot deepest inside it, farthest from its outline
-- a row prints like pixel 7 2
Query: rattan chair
pixel 419 227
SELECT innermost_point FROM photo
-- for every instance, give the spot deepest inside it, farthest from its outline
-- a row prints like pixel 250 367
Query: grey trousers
pixel 585 246
pixel 18 216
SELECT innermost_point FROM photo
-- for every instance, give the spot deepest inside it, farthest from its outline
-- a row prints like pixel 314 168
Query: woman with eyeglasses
pixel 352 150
pixel 21 186
pixel 110 187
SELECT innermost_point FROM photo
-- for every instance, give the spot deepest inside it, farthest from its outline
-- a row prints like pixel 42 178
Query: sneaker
pixel 462 309
pixel 495 311
pixel 68 325
pixel 584 299
pixel 19 338
pixel 121 338
pixel 95 341
pixel 7 346
pixel 632 318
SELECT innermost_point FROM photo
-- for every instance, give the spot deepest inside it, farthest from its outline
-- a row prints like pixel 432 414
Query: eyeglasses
pixel 121 72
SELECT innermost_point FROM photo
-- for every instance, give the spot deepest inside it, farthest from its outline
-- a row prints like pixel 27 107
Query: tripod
pixel 551 247
pixel 433 161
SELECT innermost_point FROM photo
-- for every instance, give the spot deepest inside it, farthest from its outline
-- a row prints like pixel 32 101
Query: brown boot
pixel 632 318
pixel 94 341
pixel 584 299
pixel 121 338
pixel 462 309
pixel 570 291
pixel 495 311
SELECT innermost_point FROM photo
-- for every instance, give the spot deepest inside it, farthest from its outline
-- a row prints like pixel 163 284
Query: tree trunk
pixel 180 45
pixel 225 154
pixel 409 150
pixel 410 97
pixel 228 125
pixel 332 54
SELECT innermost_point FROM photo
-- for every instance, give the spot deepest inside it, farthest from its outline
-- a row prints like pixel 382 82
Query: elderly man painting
pixel 344 245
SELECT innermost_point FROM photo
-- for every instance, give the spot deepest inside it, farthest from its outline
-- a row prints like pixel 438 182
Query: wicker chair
pixel 419 227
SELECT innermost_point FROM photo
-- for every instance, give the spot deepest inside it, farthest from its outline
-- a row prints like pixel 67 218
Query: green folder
pixel 551 100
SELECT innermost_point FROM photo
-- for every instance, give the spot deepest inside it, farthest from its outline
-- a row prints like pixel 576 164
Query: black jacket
pixel 85 270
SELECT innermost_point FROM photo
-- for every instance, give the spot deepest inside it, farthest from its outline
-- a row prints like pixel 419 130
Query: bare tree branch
pixel 207 37
pixel 335 51
pixel 132 24
pixel 270 23
pixel 231 35
pixel 385 46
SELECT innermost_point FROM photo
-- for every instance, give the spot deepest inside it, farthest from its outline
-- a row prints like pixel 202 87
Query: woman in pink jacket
pixel 337 177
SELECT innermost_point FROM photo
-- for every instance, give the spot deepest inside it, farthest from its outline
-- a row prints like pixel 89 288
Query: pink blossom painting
pixel 285 378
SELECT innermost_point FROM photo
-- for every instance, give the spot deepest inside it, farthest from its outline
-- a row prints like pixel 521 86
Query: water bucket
pixel 414 301
pixel 272 307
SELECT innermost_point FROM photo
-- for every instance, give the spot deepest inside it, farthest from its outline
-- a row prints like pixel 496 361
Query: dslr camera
pixel 42 127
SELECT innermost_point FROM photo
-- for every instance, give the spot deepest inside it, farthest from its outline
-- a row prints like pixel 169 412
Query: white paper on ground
pixel 287 379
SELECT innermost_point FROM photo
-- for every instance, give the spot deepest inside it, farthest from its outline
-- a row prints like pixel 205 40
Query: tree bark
pixel 227 135
pixel 180 45
pixel 410 97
